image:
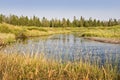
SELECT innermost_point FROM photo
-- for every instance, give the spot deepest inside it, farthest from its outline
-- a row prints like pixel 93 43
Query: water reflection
pixel 67 47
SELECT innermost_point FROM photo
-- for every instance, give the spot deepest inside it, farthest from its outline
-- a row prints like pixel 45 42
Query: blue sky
pixel 99 9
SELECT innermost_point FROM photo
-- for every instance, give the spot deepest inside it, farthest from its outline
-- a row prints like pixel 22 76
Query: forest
pixel 44 22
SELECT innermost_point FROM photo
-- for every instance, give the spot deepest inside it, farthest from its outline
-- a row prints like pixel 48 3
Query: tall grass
pixel 24 31
pixel 7 37
pixel 106 32
pixel 24 67
pixel 32 31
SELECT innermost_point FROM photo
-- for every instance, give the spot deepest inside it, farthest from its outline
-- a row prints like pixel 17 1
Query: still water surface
pixel 67 47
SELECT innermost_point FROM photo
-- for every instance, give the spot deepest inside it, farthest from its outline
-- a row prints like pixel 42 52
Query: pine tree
pixel 115 22
pixel 64 22
pixel 110 22
pixel 0 18
pixel 90 22
pixel 94 23
pixel 45 22
pixel 35 21
pixel 86 23
pixel 74 22
pixel 68 23
pixel 99 23
pixel 81 21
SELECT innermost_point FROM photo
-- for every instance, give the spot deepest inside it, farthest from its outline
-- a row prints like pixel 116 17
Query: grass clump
pixel 25 67
pixel 9 33
pixel 7 37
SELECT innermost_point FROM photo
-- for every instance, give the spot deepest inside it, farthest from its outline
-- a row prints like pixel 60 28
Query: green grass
pixel 32 31
pixel 23 67
pixel 25 31
pixel 105 32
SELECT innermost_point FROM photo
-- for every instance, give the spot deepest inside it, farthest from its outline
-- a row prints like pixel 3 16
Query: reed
pixel 24 67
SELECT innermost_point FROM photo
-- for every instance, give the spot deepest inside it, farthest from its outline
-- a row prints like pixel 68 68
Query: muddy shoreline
pixel 104 40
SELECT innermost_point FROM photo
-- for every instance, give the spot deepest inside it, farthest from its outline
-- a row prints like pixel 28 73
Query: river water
pixel 67 47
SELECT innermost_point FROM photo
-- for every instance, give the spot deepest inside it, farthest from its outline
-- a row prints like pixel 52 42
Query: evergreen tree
pixel 30 22
pixel 99 23
pixel 81 21
pixel 45 22
pixel 64 22
pixel 1 18
pixel 35 21
pixel 115 22
pixel 74 22
pixel 86 23
pixel 59 23
pixel 52 23
pixel 13 19
pixel 110 22
pixel 56 23
pixel 90 22
pixel 68 23
pixel 94 23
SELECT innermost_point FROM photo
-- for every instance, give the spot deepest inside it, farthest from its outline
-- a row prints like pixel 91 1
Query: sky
pixel 98 9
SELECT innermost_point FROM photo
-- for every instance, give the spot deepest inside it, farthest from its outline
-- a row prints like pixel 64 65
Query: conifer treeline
pixel 44 22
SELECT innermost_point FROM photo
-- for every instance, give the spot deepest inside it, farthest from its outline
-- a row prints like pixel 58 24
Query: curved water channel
pixel 68 47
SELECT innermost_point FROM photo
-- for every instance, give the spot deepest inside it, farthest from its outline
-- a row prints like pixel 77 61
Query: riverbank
pixel 104 40
pixel 9 33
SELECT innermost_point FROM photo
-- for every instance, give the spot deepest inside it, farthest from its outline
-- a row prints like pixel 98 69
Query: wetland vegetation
pixel 64 54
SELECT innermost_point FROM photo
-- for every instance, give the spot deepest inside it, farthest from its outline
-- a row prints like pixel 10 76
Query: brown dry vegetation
pixel 24 67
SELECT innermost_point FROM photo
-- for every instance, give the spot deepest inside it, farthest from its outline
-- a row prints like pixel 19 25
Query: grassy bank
pixel 12 32
pixel 9 33
pixel 104 32
pixel 19 67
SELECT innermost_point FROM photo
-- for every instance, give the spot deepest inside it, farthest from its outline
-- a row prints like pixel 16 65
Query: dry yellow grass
pixel 7 37
pixel 19 67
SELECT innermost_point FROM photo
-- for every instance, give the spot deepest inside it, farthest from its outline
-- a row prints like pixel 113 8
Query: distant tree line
pixel 44 22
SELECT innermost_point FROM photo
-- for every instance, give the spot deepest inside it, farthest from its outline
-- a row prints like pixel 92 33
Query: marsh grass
pixel 7 37
pixel 32 31
pixel 105 32
pixel 26 31
pixel 26 67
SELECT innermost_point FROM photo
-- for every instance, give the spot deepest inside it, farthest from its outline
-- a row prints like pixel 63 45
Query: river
pixel 67 47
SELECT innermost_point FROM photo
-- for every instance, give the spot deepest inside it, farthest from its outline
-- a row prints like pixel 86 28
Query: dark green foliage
pixel 99 23
pixel 81 21
pixel 44 22
pixel 64 23
pixel 86 23
pixel 0 18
